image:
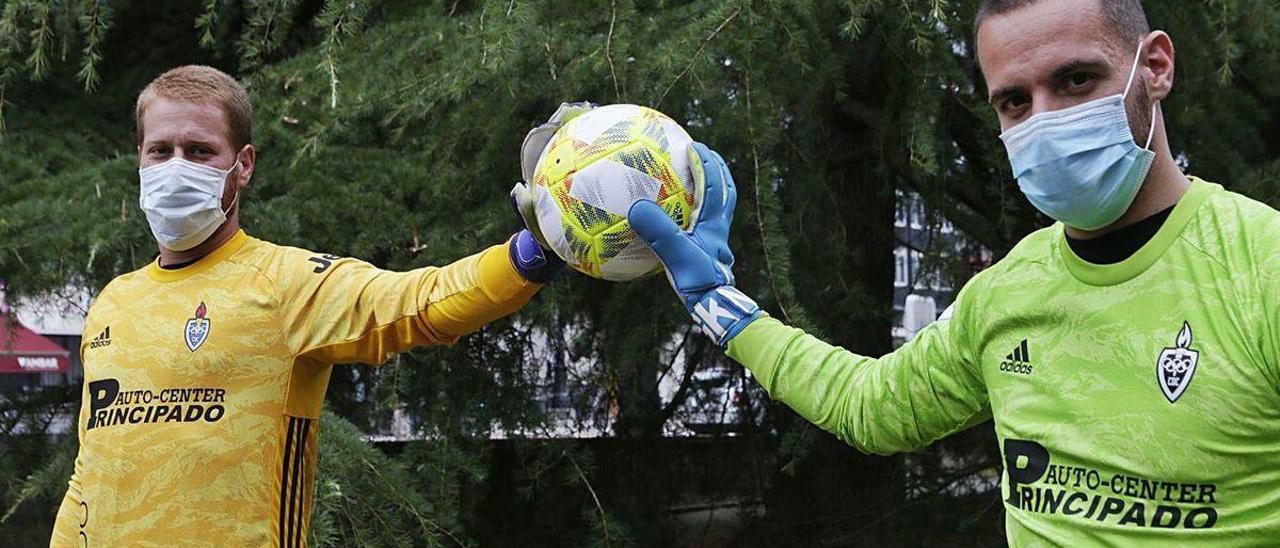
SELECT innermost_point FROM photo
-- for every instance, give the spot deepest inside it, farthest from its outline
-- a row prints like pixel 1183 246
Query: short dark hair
pixel 1125 18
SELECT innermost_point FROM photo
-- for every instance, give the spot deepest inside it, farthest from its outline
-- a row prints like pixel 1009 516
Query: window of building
pixel 901 204
pixel 900 273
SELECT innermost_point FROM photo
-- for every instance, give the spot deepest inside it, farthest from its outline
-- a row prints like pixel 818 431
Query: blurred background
pixel 872 186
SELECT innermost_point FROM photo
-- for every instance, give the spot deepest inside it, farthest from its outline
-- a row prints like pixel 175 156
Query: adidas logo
pixel 1018 361
pixel 103 339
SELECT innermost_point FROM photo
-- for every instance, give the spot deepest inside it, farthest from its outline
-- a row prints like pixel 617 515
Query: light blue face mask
pixel 1080 165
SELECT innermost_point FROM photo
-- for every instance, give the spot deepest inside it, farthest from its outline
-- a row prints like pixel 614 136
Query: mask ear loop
pixel 233 203
pixel 1133 72
pixel 237 198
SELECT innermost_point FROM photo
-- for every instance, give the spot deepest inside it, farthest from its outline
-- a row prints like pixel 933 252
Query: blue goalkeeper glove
pixel 699 263
pixel 530 259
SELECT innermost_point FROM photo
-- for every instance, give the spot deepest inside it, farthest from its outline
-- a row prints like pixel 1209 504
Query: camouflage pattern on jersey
pixel 198 424
pixel 1135 404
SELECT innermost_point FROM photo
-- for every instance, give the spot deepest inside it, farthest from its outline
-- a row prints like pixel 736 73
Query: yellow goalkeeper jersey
pixel 203 384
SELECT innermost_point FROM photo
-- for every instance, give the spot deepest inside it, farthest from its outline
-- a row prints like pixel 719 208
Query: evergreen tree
pixel 389 131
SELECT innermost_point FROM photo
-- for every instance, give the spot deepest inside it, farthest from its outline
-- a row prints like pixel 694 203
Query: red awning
pixel 25 351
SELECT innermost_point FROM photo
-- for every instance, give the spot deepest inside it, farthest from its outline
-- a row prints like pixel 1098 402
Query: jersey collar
pixel 1148 254
pixel 204 263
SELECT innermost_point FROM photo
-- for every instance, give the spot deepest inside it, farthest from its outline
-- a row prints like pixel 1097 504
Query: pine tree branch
pixel 608 55
pixel 755 185
pixel 604 521
pixel 205 23
pixel 690 367
pixel 94 24
pixel 40 38
pixel 697 54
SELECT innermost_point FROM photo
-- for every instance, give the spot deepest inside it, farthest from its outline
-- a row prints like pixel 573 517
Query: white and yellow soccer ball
pixel 593 169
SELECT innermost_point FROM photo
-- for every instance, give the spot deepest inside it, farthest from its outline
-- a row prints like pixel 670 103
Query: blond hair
pixel 202 84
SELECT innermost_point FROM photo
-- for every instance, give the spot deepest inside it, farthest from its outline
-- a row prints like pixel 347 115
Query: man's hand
pixel 531 260
pixel 523 198
pixel 699 263
pixel 529 250
pixel 525 204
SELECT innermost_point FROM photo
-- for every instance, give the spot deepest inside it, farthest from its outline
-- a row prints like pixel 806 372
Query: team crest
pixel 1177 365
pixel 197 330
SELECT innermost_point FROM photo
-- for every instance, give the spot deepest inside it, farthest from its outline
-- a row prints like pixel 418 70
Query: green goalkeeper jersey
pixel 1135 403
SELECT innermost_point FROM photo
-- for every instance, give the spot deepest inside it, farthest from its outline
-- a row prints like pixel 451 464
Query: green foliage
pixel 360 497
pixel 34 467
pixel 47 484
pixel 389 131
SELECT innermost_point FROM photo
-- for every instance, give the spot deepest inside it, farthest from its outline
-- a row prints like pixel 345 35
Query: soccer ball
pixel 592 170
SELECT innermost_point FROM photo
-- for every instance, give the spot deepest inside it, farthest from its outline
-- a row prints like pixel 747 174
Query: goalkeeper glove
pixel 532 261
pixel 699 263
pixel 523 198
pixel 530 253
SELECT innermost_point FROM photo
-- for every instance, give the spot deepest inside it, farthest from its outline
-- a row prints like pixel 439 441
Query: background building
pixel 40 340
pixel 925 269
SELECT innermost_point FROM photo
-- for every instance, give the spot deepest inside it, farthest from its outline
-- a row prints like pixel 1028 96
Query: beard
pixel 1141 119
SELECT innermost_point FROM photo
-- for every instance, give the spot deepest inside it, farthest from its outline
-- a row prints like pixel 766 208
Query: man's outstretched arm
pixel 337 310
pixel 900 402
pixel 353 312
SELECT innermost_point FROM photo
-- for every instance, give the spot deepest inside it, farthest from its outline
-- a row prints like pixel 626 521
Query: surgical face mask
pixel 1080 165
pixel 183 201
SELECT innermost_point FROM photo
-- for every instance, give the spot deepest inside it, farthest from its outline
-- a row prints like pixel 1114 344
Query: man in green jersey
pixel 1129 354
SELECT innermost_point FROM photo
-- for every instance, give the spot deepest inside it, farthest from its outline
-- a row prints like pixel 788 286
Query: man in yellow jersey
pixel 206 369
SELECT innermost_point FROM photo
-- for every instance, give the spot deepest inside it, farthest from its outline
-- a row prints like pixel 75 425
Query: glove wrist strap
pixel 531 260
pixel 724 312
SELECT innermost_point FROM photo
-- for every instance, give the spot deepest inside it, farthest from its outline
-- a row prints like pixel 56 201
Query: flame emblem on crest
pixel 197 329
pixel 1177 365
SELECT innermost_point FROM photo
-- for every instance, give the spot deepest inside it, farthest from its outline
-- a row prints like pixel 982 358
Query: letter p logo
pixel 1026 462
pixel 101 394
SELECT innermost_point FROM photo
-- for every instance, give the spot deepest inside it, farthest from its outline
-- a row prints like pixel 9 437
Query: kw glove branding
pixel 1038 485
pixel 111 406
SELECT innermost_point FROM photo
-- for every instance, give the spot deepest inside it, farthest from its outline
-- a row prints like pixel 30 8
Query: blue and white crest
pixel 198 328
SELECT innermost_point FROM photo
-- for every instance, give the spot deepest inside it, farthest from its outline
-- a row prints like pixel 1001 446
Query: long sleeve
pixel 344 310
pixel 1269 285
pixel 903 401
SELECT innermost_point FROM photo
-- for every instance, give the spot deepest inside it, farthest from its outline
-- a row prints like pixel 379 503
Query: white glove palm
pixel 535 143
